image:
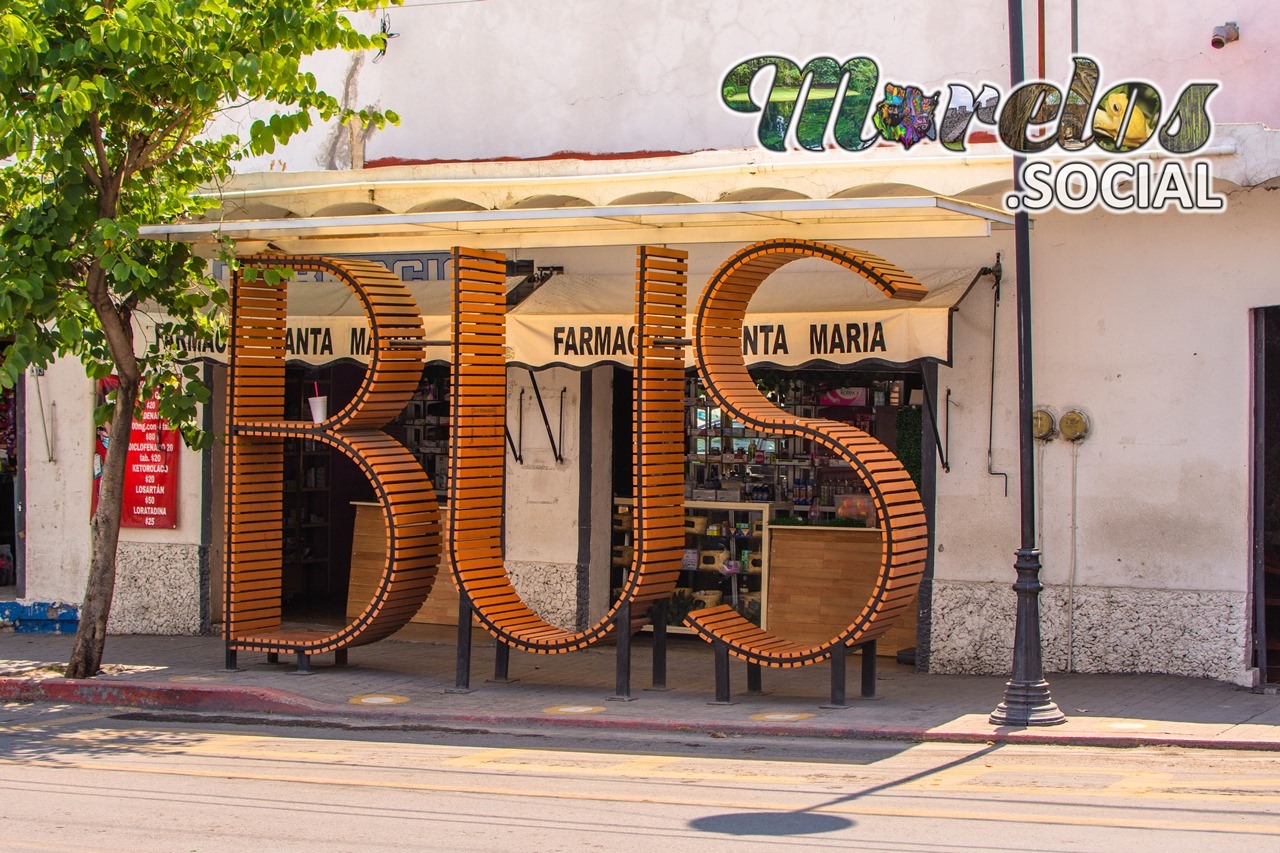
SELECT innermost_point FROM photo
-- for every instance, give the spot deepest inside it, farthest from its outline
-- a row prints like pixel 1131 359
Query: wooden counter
pixel 368 556
pixel 820 579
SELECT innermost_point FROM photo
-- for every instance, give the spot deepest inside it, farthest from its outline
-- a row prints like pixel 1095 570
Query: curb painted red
pixel 161 697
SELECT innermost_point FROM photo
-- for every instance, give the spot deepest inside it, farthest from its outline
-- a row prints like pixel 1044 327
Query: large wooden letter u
pixel 718 343
pixel 477 456
pixel 257 428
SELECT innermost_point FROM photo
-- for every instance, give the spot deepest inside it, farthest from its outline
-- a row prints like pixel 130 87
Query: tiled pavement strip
pixel 407 683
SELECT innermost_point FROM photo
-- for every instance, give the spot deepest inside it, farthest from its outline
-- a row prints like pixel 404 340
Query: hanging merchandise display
pixel 8 431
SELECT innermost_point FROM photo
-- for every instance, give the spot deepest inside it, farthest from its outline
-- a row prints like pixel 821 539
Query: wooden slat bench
pixel 477 459
pixel 257 429
pixel 718 341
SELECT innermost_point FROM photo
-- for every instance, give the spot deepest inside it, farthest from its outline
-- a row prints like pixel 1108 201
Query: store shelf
pixel 306 544
pixel 423 428
pixel 696 579
pixel 739 477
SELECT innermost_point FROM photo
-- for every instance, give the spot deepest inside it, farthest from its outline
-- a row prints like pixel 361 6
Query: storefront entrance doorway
pixel 326 571
pixel 1266 493
pixel 741 487
pixel 10 467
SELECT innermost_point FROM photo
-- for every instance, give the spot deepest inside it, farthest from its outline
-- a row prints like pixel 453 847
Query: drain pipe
pixel 1027 701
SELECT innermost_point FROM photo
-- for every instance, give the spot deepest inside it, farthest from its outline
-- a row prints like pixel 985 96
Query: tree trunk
pixel 117 328
pixel 91 636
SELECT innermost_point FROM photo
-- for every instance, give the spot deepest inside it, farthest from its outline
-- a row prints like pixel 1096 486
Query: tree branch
pixel 116 325
pixel 100 151
pixel 94 177
pixel 181 126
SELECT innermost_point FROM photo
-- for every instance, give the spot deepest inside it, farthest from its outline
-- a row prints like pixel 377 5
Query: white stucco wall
pixel 543 523
pixel 158 571
pixel 513 78
pixel 1142 323
pixel 58 492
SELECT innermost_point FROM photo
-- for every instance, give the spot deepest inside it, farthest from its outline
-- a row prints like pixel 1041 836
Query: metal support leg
pixel 273 657
pixel 501 663
pixel 722 674
pixel 462 677
pixel 340 657
pixel 304 663
pixel 658 616
pixel 869 670
pixel 753 680
pixel 838 653
pixel 231 660
pixel 622 623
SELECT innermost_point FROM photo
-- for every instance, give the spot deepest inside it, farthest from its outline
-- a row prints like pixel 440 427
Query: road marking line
pixel 644 764
pixel 965 778
pixel 483 757
pixel 59 721
pixel 686 801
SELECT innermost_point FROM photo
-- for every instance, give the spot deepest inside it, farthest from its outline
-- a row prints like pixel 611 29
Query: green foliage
pixel 680 605
pixel 106 111
pixel 910 428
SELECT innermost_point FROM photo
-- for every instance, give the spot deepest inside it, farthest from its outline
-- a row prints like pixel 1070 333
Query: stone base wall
pixel 555 591
pixel 1174 632
pixel 158 590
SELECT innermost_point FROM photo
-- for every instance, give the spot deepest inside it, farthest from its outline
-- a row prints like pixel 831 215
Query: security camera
pixel 1224 35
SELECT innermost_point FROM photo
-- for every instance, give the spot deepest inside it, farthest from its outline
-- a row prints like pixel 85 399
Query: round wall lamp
pixel 1074 426
pixel 1042 425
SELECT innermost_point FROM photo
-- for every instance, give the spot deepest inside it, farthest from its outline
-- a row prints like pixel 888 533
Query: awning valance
pixel 326 322
pixel 798 318
pixel 794 320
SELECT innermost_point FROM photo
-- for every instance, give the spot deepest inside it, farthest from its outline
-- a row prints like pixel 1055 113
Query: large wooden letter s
pixel 718 352
pixel 256 431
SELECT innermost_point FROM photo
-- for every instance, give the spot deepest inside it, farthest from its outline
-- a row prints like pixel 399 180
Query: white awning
pixel 911 216
pixel 795 319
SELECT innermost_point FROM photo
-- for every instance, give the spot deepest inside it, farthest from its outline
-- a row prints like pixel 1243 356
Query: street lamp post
pixel 1027 701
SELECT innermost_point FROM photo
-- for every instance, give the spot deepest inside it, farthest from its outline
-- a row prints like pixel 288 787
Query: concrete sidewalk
pixel 407 683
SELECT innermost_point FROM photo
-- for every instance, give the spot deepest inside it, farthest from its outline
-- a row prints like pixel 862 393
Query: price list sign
pixel 151 473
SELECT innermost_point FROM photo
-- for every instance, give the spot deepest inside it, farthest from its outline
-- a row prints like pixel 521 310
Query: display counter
pixel 820 579
pixel 368 557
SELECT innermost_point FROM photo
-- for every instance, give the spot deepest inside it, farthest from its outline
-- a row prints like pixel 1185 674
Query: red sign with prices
pixel 151 472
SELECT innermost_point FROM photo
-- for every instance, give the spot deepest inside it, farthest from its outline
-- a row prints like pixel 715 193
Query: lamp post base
pixel 1027 704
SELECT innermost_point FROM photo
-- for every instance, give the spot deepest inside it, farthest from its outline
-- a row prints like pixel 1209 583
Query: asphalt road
pixel 78 778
